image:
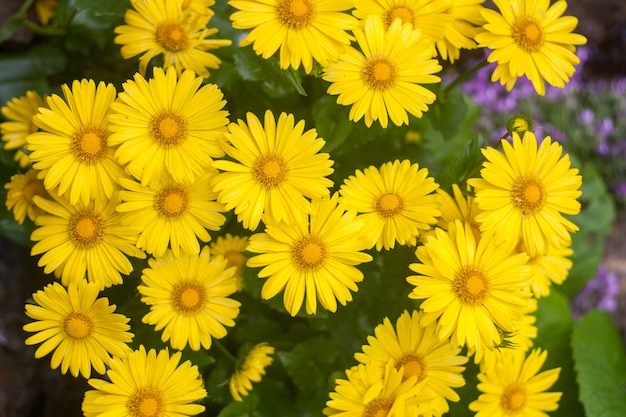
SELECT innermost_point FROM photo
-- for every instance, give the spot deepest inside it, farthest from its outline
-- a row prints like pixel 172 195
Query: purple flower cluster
pixel 601 293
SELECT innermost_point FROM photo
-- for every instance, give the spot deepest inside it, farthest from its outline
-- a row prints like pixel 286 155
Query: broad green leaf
pixel 464 166
pixel 245 408
pixel 600 364
pixel 587 257
pixel 331 121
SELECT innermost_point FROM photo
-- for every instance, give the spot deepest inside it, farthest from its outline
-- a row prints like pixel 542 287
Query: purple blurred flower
pixel 601 293
pixel 620 189
pixel 586 117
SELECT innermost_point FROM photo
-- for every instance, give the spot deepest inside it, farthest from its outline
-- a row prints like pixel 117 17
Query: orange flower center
pixel 33 188
pixel 270 170
pixel 378 407
pixel 413 366
pixel 171 36
pixel 171 201
pixel 89 144
pixel 403 13
pixel 169 128
pixel 296 14
pixel 528 195
pixel 389 204
pixel 470 285
pixel 188 297
pixel 379 73
pixel 528 34
pixel 77 326
pixel 513 398
pixel 146 402
pixel 309 252
pixel 86 229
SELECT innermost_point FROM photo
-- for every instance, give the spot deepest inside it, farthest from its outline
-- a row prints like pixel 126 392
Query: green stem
pixel 465 75
pixel 225 351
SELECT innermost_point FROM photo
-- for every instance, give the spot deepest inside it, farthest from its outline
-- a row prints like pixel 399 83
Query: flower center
pixel 513 398
pixel 77 326
pixel 89 144
pixel 188 297
pixel 470 285
pixel 86 229
pixel 296 14
pixel 171 201
pixel 528 195
pixel 33 188
pixel 235 258
pixel 527 34
pixel 413 365
pixel 404 13
pixel 270 170
pixel 169 128
pixel 379 73
pixel 146 402
pixel 171 36
pixel 309 252
pixel 389 204
pixel 378 407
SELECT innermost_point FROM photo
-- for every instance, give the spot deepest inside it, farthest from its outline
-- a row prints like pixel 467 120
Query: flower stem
pixel 225 351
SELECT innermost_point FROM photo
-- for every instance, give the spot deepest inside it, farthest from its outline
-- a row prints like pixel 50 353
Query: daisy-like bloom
pixel 276 167
pixel 20 193
pixel 72 150
pixel 81 328
pixel 313 259
pixel 458 207
pixel 459 33
pixel 84 241
pixel 146 384
pixel 552 267
pixel 525 191
pixel 250 370
pixel 513 387
pixel 174 29
pixel 304 30
pixel 431 17
pixel 232 248
pixel 168 122
pixel 419 352
pixel 474 288
pixel 171 214
pixel 532 39
pixel 373 391
pixel 397 202
pixel 188 298
pixel 383 80
pixel 45 10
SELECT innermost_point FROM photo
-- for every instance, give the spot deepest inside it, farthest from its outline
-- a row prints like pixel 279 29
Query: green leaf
pixel 331 121
pixel 600 364
pixel 245 408
pixel 103 7
pixel 587 257
pixel 464 166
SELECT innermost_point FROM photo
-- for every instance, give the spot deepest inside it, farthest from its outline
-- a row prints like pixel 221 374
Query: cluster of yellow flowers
pixel 150 170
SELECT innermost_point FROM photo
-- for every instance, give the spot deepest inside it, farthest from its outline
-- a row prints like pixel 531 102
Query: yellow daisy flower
pixel 372 391
pixel 458 206
pixel 250 370
pixel 81 329
pixel 513 387
pixel 304 30
pixel 382 80
pixel 84 241
pixel 475 288
pixel 459 33
pixel 533 39
pixel 188 298
pixel 429 16
pixel 552 267
pixel 276 167
pixel 143 384
pixel 525 191
pixel 232 248
pixel 171 214
pixel 418 351
pixel 168 122
pixel 19 113
pixel 46 9
pixel 72 151
pixel 313 259
pixel 21 190
pixel 202 7
pixel 397 201
pixel 173 29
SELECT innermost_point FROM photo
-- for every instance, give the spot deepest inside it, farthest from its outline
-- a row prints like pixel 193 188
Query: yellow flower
pixel 72 151
pixel 420 353
pixel 398 202
pixel 460 31
pixel 431 17
pixel 202 7
pixel 313 260
pixel 84 241
pixel 552 267
pixel 382 80
pixel 276 167
pixel 171 214
pixel 533 39
pixel 475 288
pixel 250 370
pixel 232 248
pixel 525 191
pixel 372 391
pixel 45 10
pixel 304 30
pixel 19 113
pixel 173 29
pixel 81 328
pixel 21 190
pixel 168 124
pixel 188 298
pixel 144 384
pixel 513 387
